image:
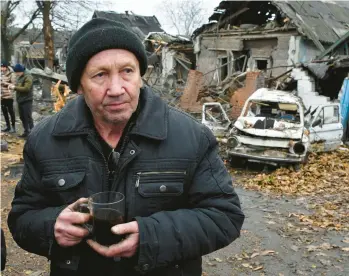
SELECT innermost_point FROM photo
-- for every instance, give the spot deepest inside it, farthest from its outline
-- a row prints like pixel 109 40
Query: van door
pixel 215 118
pixel 326 130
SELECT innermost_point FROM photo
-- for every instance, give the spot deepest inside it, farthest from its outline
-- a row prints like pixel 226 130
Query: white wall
pixel 301 50
pixel 168 62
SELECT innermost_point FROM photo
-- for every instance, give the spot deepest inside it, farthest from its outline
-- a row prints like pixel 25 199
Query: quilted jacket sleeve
pixel 26 86
pixel 213 220
pixel 31 220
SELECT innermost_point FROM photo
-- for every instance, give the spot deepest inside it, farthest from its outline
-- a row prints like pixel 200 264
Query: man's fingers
pixel 77 231
pixel 125 248
pixel 75 217
pixel 75 205
pixel 125 228
pixel 101 249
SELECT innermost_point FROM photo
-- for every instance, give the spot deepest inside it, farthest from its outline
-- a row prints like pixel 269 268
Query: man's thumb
pixel 125 228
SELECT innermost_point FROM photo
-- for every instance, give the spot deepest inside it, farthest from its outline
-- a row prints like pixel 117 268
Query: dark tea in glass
pixel 107 209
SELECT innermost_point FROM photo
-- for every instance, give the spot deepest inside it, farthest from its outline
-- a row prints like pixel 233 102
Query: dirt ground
pixel 275 240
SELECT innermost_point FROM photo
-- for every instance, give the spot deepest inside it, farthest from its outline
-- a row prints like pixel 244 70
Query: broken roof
pixel 268 95
pixel 166 38
pixel 141 25
pixel 319 21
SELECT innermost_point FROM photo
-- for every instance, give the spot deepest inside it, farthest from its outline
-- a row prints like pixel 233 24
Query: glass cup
pixel 107 209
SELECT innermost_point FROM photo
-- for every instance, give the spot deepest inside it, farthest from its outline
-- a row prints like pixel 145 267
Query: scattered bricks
pixel 254 81
pixel 192 89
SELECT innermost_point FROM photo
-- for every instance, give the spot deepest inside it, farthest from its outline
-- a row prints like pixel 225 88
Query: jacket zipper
pixel 105 161
pixel 156 173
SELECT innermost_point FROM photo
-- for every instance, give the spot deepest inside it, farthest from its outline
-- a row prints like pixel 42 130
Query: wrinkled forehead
pixel 113 57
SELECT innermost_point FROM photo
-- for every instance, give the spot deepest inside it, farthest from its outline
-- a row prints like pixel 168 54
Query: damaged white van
pixel 274 128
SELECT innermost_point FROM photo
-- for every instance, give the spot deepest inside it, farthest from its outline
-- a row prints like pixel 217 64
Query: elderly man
pixel 118 136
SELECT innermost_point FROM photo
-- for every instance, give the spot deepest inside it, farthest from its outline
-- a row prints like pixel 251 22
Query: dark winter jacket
pixel 196 213
pixel 3 250
pixel 24 88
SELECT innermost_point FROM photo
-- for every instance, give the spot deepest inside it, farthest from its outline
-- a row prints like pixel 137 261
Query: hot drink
pixel 103 220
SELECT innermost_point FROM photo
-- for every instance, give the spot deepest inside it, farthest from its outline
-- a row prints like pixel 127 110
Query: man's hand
pixel 11 86
pixel 66 230
pixel 126 248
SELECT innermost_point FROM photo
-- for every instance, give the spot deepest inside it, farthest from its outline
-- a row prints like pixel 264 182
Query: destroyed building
pixel 141 25
pixel 266 35
pixel 171 58
pixel 262 41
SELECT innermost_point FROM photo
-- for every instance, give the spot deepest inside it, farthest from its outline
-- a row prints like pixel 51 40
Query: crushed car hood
pixel 260 126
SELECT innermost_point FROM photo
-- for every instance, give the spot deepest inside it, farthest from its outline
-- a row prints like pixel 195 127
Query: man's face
pixel 18 74
pixel 111 83
pixel 3 69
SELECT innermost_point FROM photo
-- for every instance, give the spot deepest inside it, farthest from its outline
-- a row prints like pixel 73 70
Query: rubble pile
pixel 223 92
pixel 324 181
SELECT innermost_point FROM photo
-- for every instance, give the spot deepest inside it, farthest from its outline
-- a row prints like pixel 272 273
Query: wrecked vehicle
pixel 274 128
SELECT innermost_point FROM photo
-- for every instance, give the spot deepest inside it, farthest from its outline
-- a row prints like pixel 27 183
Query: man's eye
pixel 128 70
pixel 99 75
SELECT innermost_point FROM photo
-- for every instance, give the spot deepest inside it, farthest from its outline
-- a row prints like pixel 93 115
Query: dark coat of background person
pixel 3 250
pixel 198 212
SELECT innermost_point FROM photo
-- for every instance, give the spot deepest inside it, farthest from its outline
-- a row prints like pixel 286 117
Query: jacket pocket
pixel 159 191
pixel 160 184
pixel 65 188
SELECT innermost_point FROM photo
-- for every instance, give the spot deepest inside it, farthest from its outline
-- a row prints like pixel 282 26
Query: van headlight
pixel 233 142
pixel 298 148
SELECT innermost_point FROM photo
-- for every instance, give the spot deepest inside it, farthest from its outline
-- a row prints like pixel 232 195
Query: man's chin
pixel 120 119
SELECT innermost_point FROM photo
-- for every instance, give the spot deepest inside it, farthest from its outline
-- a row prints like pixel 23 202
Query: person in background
pixel 7 78
pixel 24 96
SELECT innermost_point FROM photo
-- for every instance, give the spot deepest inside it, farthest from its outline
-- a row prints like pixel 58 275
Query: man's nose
pixel 116 86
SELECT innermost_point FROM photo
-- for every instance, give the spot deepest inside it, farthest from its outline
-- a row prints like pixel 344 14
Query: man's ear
pixel 141 83
pixel 80 90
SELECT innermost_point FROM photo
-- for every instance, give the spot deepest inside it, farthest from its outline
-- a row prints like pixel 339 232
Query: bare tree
pixel 45 8
pixel 184 15
pixel 63 15
pixel 8 10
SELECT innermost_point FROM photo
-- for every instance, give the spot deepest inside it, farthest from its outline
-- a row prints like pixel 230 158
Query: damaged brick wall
pixel 191 92
pixel 254 81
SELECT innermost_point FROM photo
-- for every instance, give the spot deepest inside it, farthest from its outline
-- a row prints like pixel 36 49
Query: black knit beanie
pixel 95 36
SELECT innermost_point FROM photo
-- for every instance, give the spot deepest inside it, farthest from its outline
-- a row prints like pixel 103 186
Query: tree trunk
pixel 49 50
pixel 6 50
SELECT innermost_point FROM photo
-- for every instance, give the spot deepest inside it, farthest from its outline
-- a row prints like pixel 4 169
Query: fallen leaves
pixel 267 252
pixel 323 246
pixel 346 240
pixel 322 183
pixel 325 172
pixel 218 260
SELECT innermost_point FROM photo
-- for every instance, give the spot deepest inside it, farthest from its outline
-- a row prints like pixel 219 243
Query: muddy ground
pixel 274 241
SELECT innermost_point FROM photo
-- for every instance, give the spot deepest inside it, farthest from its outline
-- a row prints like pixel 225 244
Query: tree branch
pixel 34 16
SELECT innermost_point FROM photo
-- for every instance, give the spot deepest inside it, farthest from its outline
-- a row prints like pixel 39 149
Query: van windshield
pixel 274 110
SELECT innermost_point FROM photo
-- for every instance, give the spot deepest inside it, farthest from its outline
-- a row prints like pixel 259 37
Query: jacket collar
pixel 76 118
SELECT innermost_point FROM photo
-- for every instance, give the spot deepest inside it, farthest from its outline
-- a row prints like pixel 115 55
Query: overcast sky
pixel 151 7
pixel 141 7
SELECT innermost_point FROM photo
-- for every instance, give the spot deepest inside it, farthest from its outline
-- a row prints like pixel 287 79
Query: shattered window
pixel 329 115
pixel 261 64
pixel 214 115
pixel 274 110
pixel 224 68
